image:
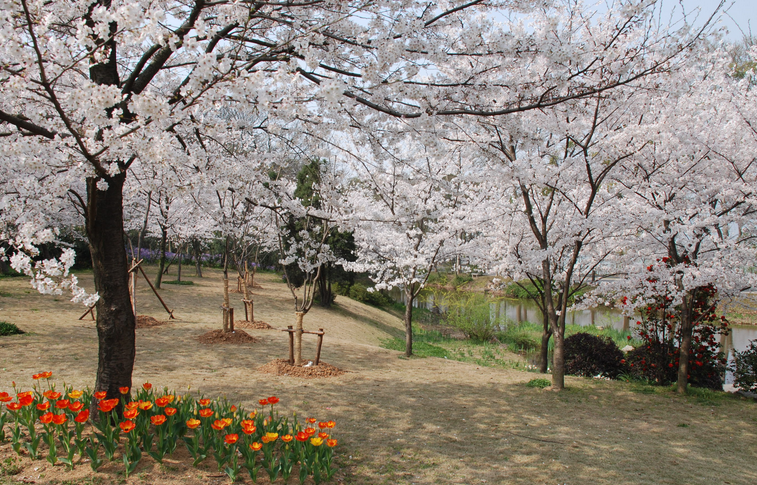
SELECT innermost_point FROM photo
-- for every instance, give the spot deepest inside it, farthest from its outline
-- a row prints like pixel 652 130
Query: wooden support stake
pixel 318 348
pixel 91 311
pixel 291 344
pixel 231 319
pixel 170 312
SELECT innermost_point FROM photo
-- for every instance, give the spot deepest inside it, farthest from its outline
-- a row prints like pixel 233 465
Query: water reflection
pixel 527 311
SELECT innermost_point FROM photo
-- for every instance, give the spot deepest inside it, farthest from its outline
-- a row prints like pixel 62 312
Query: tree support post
pixel 170 312
pixel 291 344
pixel 318 348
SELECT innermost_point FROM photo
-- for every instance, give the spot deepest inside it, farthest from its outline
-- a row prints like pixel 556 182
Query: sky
pixel 739 13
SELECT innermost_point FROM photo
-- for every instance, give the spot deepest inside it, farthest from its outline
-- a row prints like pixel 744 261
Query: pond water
pixel 527 311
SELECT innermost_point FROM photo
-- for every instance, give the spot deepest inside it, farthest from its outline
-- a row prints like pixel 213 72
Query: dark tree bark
pixel 686 336
pixel 409 297
pixel 545 336
pixel 115 319
pixel 198 257
pixel 162 265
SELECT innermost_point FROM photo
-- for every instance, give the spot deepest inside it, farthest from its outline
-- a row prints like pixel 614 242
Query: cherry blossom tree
pixel 690 194
pixel 92 89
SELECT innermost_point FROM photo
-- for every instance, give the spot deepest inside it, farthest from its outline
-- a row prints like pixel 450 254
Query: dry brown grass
pixel 399 421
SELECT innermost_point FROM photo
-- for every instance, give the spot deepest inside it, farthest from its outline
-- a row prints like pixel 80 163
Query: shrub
pixel 9 329
pixel 657 358
pixel 590 355
pixel 744 368
pixel 360 292
pixel 540 383
pixel 472 315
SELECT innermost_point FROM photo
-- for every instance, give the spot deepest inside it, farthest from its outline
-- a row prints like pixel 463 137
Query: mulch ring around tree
pixel 256 325
pixel 221 337
pixel 143 321
pixel 281 367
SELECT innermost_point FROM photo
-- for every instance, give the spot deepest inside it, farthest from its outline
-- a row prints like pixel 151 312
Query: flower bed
pixel 144 422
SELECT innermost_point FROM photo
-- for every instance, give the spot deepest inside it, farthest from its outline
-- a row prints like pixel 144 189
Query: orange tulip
pixel 311 420
pixel 5 397
pixel 101 394
pixel 59 418
pixel 162 402
pixel 330 424
pixel 46 418
pixel 62 404
pixel 193 423
pixel 82 417
pixel 301 436
pixel 132 405
pixel 272 436
pixel 145 405
pixel 147 386
pixel 123 390
pixel 331 443
pixel 75 394
pixel 249 429
pixel 323 424
pixel 204 402
pixel 131 413
pixel 263 402
pixel 107 406
pixel 158 419
pixel 310 431
pixel 218 424
pixel 256 446
pixel 253 414
pixel 43 375
pixel 127 426
pixel 43 406
pixel 206 413
pixel 273 400
pixel 230 439
pixel 323 435
pixel 25 400
pixel 52 395
pixel 75 406
pixel 287 438
pixel 170 411
pixel 13 406
pixel 228 421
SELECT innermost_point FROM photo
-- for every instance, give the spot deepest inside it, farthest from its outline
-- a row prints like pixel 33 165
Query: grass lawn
pixel 399 421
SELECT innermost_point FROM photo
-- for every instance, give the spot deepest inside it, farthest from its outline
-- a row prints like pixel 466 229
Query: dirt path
pixel 399 421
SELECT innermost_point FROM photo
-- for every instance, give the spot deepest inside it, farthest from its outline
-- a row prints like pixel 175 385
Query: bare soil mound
pixel 143 321
pixel 281 367
pixel 221 337
pixel 256 325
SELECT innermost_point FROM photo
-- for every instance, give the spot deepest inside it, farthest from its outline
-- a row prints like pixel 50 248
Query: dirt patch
pixel 221 337
pixel 144 321
pixel 281 367
pixel 256 325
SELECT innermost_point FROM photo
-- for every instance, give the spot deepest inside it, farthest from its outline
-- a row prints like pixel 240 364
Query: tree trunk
pixel 685 350
pixel 162 264
pixel 558 359
pixel 178 270
pixel 324 286
pixel 198 256
pixel 115 319
pixel 247 294
pixel 226 303
pixel 409 321
pixel 544 352
pixel 298 337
